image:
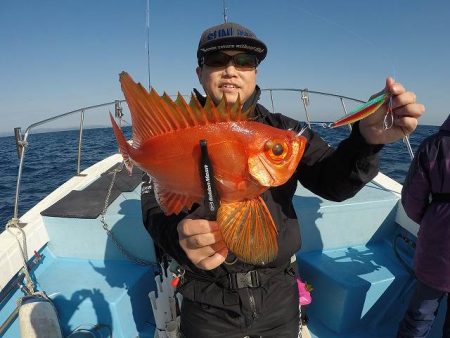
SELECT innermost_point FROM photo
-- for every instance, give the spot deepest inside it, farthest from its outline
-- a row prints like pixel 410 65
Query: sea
pixel 51 159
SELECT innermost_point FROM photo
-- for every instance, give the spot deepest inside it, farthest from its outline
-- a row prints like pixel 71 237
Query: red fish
pixel 248 157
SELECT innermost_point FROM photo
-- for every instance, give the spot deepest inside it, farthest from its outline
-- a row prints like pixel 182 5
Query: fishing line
pixel 302 130
pixel 147 24
pixel 388 121
pixel 354 34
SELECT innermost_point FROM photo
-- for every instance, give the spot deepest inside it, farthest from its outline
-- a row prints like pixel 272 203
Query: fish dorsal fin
pixel 136 96
pixel 248 230
pixel 153 115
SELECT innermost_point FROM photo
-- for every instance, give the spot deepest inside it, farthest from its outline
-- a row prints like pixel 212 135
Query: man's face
pixel 228 80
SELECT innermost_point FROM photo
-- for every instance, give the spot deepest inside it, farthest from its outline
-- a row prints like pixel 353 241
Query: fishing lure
pixel 367 109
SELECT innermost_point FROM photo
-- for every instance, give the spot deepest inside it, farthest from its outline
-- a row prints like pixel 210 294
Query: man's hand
pixel 202 241
pixel 405 110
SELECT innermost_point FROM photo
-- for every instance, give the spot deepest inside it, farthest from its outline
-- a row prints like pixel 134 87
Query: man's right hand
pixel 202 241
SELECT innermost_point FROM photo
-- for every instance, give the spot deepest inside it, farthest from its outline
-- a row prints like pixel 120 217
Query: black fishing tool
pixel 211 200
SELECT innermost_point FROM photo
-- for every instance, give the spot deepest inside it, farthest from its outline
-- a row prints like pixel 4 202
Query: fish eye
pixel 276 149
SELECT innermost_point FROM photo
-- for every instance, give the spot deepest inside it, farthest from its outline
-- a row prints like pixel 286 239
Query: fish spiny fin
pixel 135 95
pixel 248 230
pixel 187 112
pixel 230 112
pixel 197 111
pixel 236 112
pixel 124 147
pixel 212 114
pixel 159 111
pixel 154 115
pixel 178 113
pixel 170 202
pixel 224 109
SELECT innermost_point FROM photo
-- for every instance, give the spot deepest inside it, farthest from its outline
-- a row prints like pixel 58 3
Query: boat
pixel 81 263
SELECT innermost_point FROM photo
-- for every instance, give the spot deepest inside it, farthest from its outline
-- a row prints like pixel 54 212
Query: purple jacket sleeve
pixel 416 189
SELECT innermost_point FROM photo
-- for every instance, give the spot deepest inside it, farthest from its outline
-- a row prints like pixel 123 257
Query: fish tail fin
pixel 123 144
pixel 248 230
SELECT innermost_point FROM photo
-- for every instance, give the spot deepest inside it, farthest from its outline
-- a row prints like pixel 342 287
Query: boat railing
pixel 305 99
pixel 22 138
pixel 22 141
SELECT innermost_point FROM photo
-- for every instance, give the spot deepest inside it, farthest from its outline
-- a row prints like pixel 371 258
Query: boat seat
pixel 89 202
pixel 354 286
pixel 99 292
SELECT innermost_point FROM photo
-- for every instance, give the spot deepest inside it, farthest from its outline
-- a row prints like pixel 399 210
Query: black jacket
pixel 332 174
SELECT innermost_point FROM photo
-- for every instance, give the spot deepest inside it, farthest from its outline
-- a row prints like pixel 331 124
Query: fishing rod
pixel 148 42
pixel 225 16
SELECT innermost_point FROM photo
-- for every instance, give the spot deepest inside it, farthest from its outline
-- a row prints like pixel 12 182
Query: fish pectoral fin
pixel 170 202
pixel 248 230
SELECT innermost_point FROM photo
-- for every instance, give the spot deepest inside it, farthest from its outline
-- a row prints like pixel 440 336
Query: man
pixel 224 297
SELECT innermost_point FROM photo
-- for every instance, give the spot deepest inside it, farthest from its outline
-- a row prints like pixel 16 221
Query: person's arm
pixel 338 174
pixel 416 189
pixel 334 174
pixel 192 241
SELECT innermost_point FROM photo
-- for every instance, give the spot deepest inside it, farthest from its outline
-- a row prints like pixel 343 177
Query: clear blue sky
pixel 57 56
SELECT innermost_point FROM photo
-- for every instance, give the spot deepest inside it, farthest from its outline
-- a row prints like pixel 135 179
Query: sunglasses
pixel 220 59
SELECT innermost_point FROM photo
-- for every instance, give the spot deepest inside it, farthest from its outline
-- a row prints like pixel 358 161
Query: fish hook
pixel 388 121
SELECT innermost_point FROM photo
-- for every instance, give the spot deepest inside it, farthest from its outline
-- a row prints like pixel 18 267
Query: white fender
pixel 38 318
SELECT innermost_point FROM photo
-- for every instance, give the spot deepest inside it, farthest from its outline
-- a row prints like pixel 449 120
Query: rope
pixel 14 223
pixel 300 325
pixel 116 242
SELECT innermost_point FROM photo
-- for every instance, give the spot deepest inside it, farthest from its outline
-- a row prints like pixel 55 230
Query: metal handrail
pixel 22 142
pixel 304 96
pixel 312 92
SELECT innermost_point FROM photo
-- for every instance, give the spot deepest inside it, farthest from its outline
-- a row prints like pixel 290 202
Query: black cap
pixel 228 36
